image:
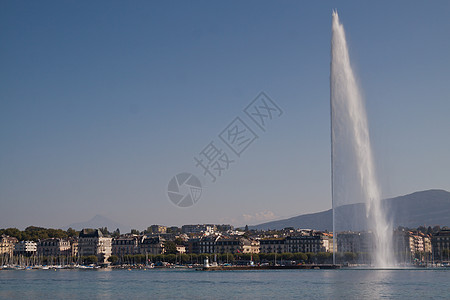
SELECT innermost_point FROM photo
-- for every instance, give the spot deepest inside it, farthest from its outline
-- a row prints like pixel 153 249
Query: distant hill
pixel 425 208
pixel 99 221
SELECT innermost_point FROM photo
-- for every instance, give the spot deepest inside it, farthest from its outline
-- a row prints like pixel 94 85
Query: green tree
pixel 13 232
pixel 116 233
pixel 170 258
pixel 91 259
pixel 185 258
pixel 113 259
pixel 300 257
pixel 72 232
pixel 312 257
pixel 193 259
pixel 170 247
pixel 179 241
pixel 324 257
pixel 350 257
pixel 287 256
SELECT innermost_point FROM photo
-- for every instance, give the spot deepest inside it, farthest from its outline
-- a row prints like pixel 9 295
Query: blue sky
pixel 101 103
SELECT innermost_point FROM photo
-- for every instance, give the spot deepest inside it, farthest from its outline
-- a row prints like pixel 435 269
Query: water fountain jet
pixel 353 167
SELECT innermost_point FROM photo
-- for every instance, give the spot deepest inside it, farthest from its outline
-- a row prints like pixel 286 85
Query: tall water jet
pixel 353 168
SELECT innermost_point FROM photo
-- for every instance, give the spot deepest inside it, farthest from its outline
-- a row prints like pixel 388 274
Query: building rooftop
pixel 88 232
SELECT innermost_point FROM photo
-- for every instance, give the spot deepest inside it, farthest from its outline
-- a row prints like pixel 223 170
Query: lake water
pixel 191 284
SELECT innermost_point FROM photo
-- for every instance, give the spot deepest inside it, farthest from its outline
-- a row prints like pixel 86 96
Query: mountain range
pixel 424 208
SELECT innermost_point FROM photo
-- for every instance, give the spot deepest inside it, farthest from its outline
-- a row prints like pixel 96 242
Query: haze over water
pixel 353 168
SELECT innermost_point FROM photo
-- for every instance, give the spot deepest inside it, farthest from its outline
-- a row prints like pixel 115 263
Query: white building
pixel 92 242
pixel 7 245
pixel 54 247
pixel 126 245
pixel 27 248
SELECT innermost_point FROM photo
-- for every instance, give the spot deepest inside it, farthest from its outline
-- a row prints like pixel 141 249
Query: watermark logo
pixel 184 189
pixel 238 136
pixel 213 161
pixel 226 149
pixel 262 110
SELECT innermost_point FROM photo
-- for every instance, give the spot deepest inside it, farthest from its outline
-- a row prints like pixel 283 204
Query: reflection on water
pixel 385 283
pixel 105 283
pixel 364 284
pixel 190 284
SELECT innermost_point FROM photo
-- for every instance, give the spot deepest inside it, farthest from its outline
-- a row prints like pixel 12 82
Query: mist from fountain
pixel 352 152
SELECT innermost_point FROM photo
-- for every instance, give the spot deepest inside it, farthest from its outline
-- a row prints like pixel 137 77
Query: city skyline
pixel 102 104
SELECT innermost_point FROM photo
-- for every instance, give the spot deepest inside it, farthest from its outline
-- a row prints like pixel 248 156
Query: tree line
pixel 33 233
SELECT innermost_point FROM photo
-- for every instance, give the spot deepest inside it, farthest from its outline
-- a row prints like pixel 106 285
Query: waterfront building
pixel 53 247
pixel 356 242
pixel 312 243
pixel 126 245
pixel 228 245
pixel 252 247
pixel 152 245
pixel 304 242
pixel 441 245
pixel 74 247
pixel 26 248
pixel 222 244
pixel 193 246
pixel 92 242
pixel 418 242
pixel 7 244
pixel 329 236
pixel 272 245
pixel 207 244
pixel 427 244
pixel 236 244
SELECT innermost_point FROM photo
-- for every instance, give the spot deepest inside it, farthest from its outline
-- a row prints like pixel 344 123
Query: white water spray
pixel 350 133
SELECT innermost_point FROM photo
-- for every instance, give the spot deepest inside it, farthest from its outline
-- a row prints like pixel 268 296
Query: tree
pixel 300 257
pixel 312 257
pixel 184 258
pixel 13 232
pixel 113 259
pixel 116 233
pixel 170 247
pixel 171 258
pixel 91 259
pixel 350 257
pixel 324 257
pixel 179 241
pixel 134 231
pixel 72 232
pixel 287 256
